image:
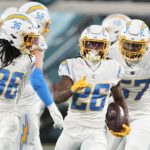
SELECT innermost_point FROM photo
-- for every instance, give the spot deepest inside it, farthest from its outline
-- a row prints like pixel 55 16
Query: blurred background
pixel 69 18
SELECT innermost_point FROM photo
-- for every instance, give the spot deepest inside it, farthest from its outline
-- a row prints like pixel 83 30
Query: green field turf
pixel 48 147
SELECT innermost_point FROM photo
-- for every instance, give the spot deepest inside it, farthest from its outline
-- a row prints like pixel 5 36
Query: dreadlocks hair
pixel 7 53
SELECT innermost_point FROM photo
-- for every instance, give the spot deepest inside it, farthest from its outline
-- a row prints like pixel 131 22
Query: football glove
pixel 125 131
pixel 56 116
pixel 79 85
pixel 42 44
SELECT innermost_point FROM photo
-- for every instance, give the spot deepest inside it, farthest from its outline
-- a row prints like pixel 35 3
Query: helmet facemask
pixel 31 42
pixel 46 26
pixel 94 50
pixel 133 51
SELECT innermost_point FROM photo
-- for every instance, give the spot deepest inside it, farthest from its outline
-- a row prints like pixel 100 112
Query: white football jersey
pixel 12 79
pixel 135 81
pixel 28 100
pixel 88 107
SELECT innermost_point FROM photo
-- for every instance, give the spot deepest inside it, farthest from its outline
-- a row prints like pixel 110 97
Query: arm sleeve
pixel 39 85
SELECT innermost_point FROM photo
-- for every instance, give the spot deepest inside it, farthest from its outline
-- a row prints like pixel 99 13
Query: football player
pixel 132 52
pixel 16 63
pixel 29 139
pixel 114 23
pixel 88 79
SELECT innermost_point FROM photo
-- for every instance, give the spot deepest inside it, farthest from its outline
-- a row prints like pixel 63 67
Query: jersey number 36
pixel 9 83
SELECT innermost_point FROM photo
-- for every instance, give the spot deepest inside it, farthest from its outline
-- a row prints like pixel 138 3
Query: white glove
pixel 56 115
pixel 42 44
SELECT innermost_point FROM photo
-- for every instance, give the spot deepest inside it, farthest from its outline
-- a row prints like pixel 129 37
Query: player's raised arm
pixel 39 84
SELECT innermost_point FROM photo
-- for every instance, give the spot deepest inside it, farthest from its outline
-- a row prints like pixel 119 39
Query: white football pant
pixel 75 137
pixel 9 126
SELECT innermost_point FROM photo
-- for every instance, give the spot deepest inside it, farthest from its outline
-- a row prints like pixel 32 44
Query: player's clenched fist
pixel 79 85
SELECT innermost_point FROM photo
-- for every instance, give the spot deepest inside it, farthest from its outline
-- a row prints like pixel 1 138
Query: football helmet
pixel 39 13
pixel 21 31
pixel 94 43
pixel 114 24
pixel 134 40
pixel 7 12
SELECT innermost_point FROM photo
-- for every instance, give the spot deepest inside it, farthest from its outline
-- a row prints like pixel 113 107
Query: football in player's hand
pixel 115 117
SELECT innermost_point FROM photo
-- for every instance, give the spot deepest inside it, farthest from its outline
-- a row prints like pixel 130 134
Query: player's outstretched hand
pixel 79 85
pixel 56 116
pixel 125 131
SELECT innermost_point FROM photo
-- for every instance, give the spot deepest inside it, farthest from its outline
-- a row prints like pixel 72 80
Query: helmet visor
pixel 47 26
pixel 91 45
pixel 133 47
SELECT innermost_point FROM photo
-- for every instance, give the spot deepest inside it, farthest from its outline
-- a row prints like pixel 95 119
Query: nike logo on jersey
pixel 132 72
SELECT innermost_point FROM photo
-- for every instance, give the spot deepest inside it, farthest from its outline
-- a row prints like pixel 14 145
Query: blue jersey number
pixel 16 25
pixel 40 16
pixel 9 83
pixel 99 94
pixel 136 83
